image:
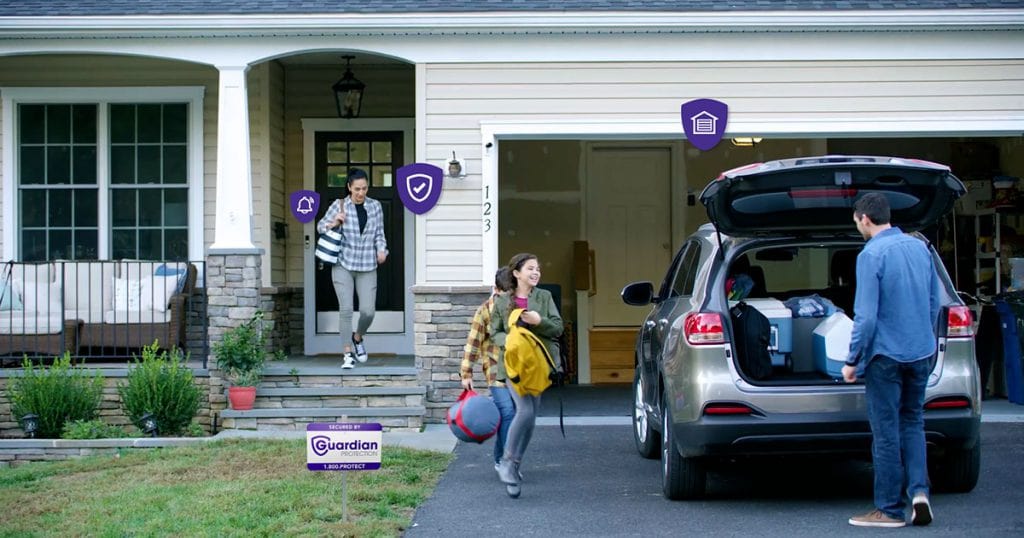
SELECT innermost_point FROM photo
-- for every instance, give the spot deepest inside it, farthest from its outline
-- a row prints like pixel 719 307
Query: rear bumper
pixel 804 433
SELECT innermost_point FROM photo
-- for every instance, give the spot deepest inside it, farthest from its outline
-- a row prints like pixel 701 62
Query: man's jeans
pixel 895 400
pixel 507 410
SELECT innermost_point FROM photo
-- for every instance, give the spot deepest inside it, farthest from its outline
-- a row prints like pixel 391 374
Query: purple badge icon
pixel 304 205
pixel 704 122
pixel 419 186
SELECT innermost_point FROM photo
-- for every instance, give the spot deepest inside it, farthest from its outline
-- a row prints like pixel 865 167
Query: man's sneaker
pixel 876 518
pixel 360 350
pixel 922 514
pixel 350 362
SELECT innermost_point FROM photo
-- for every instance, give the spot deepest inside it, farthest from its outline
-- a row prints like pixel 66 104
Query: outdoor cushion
pixel 41 297
pixel 136 316
pixel 88 289
pixel 22 322
pixel 127 294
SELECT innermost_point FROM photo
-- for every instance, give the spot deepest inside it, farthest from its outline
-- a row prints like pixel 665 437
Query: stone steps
pixel 289 398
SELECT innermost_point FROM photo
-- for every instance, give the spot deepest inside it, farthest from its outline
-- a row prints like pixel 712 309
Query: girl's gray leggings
pixel 364 283
pixel 521 431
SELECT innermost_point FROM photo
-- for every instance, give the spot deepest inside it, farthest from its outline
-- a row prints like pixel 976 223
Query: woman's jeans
pixel 895 401
pixel 364 284
pixel 521 431
pixel 507 410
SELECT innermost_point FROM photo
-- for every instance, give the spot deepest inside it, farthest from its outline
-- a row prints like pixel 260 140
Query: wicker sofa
pixel 94 307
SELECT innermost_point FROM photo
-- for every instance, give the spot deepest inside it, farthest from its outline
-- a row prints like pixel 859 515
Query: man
pixel 895 308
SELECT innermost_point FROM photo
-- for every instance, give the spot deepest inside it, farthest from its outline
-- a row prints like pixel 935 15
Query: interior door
pixel 379 154
pixel 628 224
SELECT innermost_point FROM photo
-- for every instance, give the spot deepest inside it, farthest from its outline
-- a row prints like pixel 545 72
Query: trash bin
pixel 1011 318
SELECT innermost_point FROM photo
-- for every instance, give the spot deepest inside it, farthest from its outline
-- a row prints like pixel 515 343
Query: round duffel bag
pixel 473 418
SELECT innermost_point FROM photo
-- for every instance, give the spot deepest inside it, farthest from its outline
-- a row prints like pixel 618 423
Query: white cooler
pixel 831 344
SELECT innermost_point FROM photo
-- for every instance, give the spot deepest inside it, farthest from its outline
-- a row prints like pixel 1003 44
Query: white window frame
pixel 12 97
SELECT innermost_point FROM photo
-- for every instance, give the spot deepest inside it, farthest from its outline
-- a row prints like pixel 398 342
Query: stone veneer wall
pixel 278 313
pixel 111 410
pixel 233 295
pixel 442 317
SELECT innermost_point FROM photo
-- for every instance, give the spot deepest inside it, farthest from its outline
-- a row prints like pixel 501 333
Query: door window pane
pixel 382 152
pixel 359 152
pixel 337 176
pixel 381 176
pixel 337 152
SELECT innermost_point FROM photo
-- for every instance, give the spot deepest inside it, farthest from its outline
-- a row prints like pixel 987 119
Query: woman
pixel 360 220
pixel 480 348
pixel 541 317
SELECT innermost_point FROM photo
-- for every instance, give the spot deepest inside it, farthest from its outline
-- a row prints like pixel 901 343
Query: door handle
pixel 649 324
pixel 662 323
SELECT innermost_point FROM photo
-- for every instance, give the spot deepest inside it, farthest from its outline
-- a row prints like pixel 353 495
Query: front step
pixel 289 398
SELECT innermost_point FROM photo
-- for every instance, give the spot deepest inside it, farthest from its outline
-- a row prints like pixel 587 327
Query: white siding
pixel 461 96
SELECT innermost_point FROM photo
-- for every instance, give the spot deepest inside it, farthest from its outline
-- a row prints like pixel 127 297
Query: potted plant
pixel 241 354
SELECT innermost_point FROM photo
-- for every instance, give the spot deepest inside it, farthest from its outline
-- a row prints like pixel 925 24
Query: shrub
pixel 92 429
pixel 195 430
pixel 58 394
pixel 242 352
pixel 161 385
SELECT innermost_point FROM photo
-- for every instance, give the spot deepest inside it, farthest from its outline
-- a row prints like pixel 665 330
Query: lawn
pixel 224 488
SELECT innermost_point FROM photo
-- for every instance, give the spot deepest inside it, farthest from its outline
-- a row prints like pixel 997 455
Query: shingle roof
pixel 112 8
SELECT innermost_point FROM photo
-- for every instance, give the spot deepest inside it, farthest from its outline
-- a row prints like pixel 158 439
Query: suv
pixel 788 226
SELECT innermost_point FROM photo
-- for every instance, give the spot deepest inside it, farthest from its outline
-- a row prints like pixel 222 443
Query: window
pixel 373 157
pixel 686 276
pixel 103 173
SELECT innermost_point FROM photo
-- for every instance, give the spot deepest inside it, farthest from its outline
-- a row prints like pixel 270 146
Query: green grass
pixel 224 488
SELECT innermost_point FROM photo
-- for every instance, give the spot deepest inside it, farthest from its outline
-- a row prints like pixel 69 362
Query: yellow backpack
pixel 527 361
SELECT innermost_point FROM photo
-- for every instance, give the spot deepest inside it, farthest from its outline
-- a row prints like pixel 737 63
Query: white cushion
pixel 21 322
pixel 128 294
pixel 42 297
pixel 88 288
pixel 136 316
pixel 161 288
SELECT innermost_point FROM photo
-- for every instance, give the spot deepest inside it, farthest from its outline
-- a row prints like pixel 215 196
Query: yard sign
pixel 343 447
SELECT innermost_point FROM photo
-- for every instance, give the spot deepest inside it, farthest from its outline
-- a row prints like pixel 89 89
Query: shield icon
pixel 704 122
pixel 304 205
pixel 419 186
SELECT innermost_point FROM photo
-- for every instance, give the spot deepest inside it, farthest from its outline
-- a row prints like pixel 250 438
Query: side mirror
pixel 638 294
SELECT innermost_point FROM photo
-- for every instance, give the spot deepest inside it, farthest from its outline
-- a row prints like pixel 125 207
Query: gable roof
pixel 115 8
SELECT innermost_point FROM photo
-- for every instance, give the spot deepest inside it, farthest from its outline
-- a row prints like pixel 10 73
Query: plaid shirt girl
pixel 358 250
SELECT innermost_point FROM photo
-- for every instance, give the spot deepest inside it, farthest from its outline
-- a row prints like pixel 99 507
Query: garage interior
pixel 580 206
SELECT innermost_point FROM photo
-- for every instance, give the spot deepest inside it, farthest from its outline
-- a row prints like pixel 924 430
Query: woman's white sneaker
pixel 349 362
pixel 360 350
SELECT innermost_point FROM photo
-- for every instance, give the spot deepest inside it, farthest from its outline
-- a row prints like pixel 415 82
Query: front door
pixel 379 154
pixel 628 224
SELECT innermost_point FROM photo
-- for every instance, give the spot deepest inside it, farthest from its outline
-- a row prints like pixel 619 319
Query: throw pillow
pixel 9 297
pixel 127 295
pixel 161 289
pixel 42 297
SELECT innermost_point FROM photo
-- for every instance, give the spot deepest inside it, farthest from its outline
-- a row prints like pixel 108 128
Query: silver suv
pixel 788 226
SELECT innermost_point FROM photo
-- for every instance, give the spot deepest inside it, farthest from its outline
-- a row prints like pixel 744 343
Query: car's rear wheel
pixel 644 435
pixel 957 470
pixel 681 478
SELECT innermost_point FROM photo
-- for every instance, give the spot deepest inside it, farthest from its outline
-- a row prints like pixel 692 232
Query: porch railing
pixel 101 309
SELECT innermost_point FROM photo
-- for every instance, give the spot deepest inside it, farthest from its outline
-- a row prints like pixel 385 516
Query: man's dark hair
pixel 875 206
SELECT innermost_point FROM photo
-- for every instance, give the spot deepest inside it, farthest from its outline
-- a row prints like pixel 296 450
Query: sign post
pixel 343 447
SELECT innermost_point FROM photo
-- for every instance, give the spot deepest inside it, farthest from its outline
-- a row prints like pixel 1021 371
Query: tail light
pixel 703 328
pixel 958 322
pixel 948 402
pixel 727 409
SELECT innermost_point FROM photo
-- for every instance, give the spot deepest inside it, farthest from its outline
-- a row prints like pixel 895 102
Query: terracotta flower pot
pixel 241 398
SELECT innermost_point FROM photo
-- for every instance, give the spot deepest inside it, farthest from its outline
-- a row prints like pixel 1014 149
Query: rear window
pixel 796 269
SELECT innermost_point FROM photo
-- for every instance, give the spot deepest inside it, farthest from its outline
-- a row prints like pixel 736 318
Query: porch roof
pixel 115 8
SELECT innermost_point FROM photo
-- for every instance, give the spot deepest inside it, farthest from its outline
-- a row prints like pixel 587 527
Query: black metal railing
pixel 101 309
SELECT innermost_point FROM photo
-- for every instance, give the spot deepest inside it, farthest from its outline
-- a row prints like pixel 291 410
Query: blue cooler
pixel 831 344
pixel 781 320
pixel 1011 353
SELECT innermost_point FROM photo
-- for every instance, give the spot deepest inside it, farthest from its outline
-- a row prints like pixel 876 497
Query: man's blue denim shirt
pixel 897 302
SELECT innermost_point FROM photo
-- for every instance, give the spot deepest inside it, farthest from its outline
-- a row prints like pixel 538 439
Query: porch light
pixel 30 423
pixel 348 92
pixel 148 424
pixel 745 141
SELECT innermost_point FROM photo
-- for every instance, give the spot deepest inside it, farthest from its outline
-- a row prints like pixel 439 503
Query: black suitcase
pixel 751 336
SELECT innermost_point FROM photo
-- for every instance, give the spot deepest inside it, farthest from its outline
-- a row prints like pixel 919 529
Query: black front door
pixel 379 154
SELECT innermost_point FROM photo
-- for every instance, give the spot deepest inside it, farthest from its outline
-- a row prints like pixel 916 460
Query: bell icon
pixel 305 205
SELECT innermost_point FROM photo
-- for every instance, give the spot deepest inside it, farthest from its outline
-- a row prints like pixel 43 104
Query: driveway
pixel 593 483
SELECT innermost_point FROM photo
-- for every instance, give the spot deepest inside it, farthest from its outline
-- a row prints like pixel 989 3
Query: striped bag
pixel 328 247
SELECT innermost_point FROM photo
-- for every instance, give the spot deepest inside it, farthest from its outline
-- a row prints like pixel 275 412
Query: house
pixel 178 129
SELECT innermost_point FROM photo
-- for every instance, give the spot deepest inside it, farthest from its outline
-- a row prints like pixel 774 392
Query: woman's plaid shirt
pixel 479 345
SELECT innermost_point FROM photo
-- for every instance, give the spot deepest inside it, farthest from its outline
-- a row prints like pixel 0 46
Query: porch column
pixel 233 231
